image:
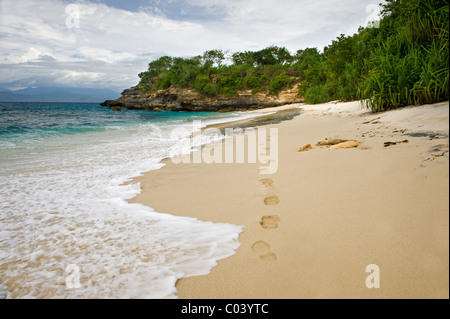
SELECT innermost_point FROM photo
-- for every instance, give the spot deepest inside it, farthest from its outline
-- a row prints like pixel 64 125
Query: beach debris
pixel 347 144
pixel 336 143
pixel 372 121
pixel 329 142
pixel 386 144
pixel 305 148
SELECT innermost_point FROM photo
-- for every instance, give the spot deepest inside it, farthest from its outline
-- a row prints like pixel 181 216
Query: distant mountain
pixel 57 94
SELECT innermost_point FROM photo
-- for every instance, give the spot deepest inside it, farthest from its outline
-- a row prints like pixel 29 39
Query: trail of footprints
pixel 261 247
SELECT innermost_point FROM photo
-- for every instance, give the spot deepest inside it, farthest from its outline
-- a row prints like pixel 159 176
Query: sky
pixel 107 43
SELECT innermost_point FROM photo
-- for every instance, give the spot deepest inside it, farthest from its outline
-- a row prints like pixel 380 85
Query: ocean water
pixel 66 229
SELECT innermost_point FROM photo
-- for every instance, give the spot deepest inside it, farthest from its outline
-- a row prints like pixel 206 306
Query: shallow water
pixel 66 229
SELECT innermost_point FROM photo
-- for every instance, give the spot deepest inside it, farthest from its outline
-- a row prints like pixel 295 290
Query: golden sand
pixel 313 227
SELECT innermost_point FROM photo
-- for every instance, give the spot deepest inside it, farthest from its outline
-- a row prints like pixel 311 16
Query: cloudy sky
pixel 106 43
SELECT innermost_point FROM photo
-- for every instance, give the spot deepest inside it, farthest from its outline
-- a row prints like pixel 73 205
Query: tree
pixel 246 57
pixel 160 65
pixel 214 58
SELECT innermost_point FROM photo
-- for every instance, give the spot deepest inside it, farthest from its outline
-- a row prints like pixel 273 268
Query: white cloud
pixel 108 47
pixel 265 22
pixel 31 55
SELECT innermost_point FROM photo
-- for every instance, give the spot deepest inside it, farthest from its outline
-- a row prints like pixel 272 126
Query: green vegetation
pixel 410 63
pixel 268 70
pixel 404 61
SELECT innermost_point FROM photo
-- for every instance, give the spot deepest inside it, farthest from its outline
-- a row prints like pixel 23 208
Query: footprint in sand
pixel 266 182
pixel 271 200
pixel 270 221
pixel 263 250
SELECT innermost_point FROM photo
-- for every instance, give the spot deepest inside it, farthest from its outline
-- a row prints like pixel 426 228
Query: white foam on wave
pixel 66 205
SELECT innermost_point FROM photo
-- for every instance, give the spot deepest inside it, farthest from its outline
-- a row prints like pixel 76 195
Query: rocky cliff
pixel 176 99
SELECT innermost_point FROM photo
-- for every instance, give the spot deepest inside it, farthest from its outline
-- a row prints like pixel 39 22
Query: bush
pixel 208 75
pixel 279 82
pixel 209 89
pixel 316 95
pixel 164 82
pixel 411 64
pixel 256 82
pixel 229 83
pixel 200 82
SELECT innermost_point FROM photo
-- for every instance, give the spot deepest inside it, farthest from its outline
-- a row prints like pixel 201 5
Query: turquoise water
pixel 63 204
pixel 22 123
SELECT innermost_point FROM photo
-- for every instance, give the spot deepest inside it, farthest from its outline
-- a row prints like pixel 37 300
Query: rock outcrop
pixel 176 99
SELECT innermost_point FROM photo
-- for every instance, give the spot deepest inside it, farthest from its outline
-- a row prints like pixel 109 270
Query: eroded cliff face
pixel 176 99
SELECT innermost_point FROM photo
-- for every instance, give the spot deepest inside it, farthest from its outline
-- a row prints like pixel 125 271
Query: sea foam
pixel 64 203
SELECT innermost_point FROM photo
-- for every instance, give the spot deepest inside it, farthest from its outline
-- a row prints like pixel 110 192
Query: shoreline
pixel 313 226
pixel 268 116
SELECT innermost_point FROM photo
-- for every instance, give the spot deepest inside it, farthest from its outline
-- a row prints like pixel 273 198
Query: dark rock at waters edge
pixel 187 100
pixel 267 119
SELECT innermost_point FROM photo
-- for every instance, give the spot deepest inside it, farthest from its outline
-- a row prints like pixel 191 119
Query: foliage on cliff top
pixel 402 60
pixel 218 72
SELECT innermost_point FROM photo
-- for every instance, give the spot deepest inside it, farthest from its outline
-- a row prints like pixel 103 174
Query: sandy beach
pixel 312 227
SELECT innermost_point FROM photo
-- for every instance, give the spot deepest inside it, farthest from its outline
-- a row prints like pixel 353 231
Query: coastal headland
pixel 185 99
